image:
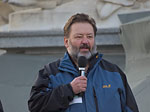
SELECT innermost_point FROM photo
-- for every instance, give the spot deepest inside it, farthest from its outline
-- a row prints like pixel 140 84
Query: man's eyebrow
pixel 78 34
pixel 83 34
pixel 90 34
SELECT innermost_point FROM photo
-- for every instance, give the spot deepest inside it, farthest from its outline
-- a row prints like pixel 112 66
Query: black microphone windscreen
pixel 82 61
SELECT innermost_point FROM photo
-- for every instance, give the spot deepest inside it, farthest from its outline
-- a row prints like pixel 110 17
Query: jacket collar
pixel 68 65
pixel 94 60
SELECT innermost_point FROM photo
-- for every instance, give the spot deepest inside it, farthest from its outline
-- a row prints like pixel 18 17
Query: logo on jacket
pixel 107 86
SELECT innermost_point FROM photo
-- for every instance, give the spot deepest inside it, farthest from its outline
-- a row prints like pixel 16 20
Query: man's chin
pixel 86 54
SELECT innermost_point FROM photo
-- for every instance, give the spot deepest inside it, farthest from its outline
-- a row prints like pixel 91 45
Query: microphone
pixel 82 62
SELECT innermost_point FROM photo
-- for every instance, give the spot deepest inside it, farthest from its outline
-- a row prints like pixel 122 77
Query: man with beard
pixel 59 85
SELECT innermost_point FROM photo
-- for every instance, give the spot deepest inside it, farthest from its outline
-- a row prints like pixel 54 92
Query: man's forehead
pixel 80 28
pixel 81 24
pixel 83 34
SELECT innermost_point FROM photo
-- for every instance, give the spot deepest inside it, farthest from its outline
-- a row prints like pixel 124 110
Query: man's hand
pixel 79 84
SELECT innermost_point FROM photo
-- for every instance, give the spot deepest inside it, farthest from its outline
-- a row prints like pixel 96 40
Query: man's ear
pixel 66 42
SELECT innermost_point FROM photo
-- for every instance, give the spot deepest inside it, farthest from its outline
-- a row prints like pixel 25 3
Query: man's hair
pixel 79 18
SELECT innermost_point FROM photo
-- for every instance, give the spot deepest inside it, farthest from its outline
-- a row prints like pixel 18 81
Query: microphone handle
pixel 82 73
pixel 81 94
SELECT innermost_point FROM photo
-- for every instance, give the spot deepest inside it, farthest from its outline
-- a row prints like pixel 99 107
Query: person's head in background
pixel 79 36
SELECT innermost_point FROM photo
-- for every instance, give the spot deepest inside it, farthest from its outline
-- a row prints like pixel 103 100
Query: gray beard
pixel 75 53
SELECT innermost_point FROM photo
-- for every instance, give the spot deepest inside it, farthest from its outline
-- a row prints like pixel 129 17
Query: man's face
pixel 81 41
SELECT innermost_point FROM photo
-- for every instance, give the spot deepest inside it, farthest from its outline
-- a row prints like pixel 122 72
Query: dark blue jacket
pixel 107 88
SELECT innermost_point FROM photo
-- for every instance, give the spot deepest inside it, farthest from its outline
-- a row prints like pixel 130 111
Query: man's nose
pixel 85 39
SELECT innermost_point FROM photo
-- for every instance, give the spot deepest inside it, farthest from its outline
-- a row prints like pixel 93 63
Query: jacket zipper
pixel 120 93
pixel 95 99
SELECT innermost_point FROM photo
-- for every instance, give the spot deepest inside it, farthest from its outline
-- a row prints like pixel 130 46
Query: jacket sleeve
pixel 131 105
pixel 44 98
pixel 1 107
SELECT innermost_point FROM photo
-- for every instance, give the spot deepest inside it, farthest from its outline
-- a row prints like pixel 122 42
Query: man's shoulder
pixel 44 73
pixel 51 68
pixel 107 65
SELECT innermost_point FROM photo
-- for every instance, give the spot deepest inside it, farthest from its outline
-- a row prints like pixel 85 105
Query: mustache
pixel 84 46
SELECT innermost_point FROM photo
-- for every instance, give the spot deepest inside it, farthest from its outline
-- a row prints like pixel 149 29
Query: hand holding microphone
pixel 79 84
